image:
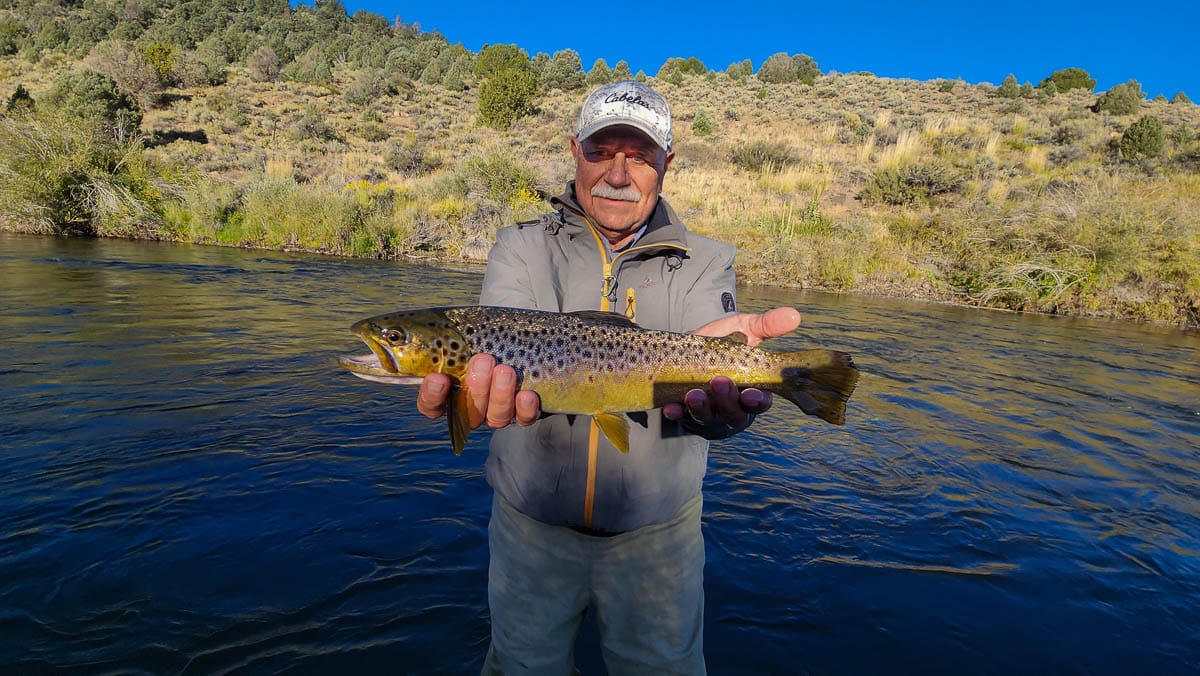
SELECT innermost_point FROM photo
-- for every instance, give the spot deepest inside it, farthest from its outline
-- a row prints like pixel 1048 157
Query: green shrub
pixel 912 184
pixel 702 124
pixel 88 95
pixel 763 156
pixel 740 71
pixel 1143 138
pixel 1180 97
pixel 13 36
pixel 129 68
pixel 373 132
pixel 1008 89
pixel 600 74
pixel 368 86
pixel 497 176
pixel 311 67
pixel 565 71
pixel 455 78
pixel 161 58
pixel 263 65
pixel 1068 79
pixel 312 125
pixel 506 96
pixel 410 159
pixel 780 68
pixel 946 86
pixel 1123 99
pixel 494 59
pixel 19 101
pixel 66 173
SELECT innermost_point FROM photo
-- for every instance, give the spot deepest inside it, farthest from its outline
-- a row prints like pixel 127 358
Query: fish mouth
pixel 379 366
pixel 371 367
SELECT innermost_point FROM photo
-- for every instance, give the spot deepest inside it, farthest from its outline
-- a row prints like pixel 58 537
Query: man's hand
pixel 726 405
pixel 492 395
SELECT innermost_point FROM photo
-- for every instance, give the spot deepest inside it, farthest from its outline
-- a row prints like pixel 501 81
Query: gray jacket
pixel 559 471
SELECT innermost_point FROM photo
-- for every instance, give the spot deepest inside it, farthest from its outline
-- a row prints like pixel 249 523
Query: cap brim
pixel 639 125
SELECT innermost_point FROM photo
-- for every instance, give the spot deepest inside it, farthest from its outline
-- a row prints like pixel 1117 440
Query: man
pixel 575 523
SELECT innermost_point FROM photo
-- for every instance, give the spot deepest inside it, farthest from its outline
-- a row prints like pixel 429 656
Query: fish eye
pixel 395 336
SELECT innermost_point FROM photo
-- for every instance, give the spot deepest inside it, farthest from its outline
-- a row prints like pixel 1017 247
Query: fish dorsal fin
pixel 457 416
pixel 616 428
pixel 737 337
pixel 603 317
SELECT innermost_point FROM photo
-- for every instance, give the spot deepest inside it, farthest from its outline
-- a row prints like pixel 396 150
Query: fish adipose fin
pixel 616 428
pixel 820 383
pixel 458 417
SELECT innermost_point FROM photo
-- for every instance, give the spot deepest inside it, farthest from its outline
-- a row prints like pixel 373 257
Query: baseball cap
pixel 626 102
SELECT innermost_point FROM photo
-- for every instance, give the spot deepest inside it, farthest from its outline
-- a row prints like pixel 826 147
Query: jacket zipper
pixel 607 287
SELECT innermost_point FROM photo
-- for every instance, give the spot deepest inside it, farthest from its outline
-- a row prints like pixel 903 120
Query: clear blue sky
pixel 1151 42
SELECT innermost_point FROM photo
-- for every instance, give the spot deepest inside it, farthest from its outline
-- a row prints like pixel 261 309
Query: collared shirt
pixel 636 236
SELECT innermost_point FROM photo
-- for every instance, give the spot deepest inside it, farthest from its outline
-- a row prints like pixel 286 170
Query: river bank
pixel 855 184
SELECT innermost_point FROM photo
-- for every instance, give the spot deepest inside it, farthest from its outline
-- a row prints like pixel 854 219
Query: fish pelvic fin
pixel 819 382
pixel 616 428
pixel 458 417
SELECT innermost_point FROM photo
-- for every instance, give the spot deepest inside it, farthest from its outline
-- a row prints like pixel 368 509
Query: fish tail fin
pixel 819 382
pixel 458 417
pixel 616 427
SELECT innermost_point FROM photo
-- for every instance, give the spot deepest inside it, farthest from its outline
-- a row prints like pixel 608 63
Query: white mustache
pixel 624 194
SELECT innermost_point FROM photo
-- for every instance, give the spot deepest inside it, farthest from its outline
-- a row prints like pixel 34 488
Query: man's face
pixel 618 177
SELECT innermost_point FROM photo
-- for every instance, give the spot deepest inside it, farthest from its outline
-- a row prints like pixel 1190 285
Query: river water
pixel 191 485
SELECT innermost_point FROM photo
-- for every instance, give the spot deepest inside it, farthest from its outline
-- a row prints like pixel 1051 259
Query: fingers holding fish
pixel 754 328
pixel 478 382
pixel 433 395
pixel 494 395
pixel 502 397
pixel 726 403
pixel 529 408
pixel 755 401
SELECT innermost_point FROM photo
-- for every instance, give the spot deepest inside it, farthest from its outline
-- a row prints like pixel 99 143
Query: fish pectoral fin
pixel 616 429
pixel 458 417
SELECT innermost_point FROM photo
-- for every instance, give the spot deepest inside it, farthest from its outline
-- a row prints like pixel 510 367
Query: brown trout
pixel 593 363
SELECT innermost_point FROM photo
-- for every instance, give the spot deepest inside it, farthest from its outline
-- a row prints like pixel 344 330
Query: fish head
pixel 406 346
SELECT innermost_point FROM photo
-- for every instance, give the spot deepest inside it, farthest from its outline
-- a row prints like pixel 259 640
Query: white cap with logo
pixel 628 102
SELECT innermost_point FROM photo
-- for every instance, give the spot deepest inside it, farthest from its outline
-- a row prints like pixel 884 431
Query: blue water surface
pixel 191 485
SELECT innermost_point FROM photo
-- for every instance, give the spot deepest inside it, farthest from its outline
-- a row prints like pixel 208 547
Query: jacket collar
pixel 663 228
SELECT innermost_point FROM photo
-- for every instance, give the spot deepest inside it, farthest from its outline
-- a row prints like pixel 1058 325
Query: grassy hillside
pixel 943 190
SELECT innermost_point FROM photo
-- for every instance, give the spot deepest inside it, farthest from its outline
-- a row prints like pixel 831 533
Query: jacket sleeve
pixel 507 282
pixel 713 295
